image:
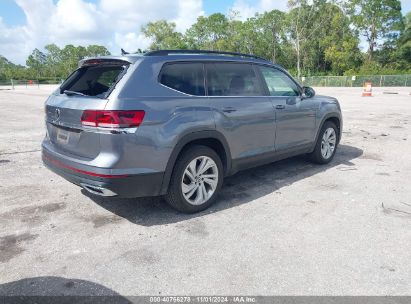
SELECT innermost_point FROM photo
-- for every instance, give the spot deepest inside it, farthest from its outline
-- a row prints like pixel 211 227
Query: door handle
pixel 229 109
pixel 280 107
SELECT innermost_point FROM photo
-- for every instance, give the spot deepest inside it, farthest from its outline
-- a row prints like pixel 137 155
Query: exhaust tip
pixel 98 190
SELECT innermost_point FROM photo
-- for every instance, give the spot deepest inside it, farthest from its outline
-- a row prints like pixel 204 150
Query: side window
pixel 278 83
pixel 232 79
pixel 184 77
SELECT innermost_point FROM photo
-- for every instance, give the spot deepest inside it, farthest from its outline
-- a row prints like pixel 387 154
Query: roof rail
pixel 170 52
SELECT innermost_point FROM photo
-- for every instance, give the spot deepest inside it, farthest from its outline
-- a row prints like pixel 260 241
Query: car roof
pixel 206 57
pixel 132 58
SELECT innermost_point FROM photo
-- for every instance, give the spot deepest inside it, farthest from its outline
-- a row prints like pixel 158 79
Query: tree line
pixel 318 37
pixel 52 62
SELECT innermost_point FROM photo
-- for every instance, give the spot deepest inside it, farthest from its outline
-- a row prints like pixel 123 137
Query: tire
pixel 201 189
pixel 318 156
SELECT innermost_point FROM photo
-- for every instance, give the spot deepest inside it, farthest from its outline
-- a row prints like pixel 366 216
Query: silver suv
pixel 175 123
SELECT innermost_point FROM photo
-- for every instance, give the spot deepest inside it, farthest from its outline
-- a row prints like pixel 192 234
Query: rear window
pixel 232 79
pixel 94 80
pixel 184 77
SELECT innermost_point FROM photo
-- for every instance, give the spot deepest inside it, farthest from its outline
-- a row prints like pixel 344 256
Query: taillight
pixel 112 119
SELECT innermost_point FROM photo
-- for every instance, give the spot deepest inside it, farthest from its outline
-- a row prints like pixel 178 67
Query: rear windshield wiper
pixel 68 92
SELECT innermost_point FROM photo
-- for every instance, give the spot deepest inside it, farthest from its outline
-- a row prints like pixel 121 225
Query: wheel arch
pixel 211 138
pixel 333 117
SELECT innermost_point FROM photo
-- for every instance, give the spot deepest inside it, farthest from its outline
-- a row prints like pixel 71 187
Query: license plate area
pixel 63 136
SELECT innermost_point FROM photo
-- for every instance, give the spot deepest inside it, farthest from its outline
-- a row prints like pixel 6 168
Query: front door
pixel 295 117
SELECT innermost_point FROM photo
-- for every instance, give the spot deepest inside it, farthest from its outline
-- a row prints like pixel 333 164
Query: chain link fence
pixel 13 83
pixel 357 81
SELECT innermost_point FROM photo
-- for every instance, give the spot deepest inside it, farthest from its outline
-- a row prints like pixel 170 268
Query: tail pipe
pixel 98 190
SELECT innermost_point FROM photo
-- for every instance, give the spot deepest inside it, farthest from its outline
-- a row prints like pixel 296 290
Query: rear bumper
pixel 106 184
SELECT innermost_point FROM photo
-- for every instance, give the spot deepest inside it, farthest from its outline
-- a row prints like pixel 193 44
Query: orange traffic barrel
pixel 367 89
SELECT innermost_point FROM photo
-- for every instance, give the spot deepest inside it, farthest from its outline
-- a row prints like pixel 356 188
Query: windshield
pixel 93 80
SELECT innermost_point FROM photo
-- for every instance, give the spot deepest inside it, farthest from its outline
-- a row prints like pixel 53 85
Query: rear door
pixel 295 117
pixel 242 113
pixel 86 88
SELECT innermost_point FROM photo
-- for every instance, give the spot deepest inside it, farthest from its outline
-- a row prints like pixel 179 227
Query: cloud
pixel 12 40
pixel 114 24
pixel 131 41
pixel 268 5
pixel 37 17
pixel 131 17
pixel 247 9
pixel 75 20
pixel 187 13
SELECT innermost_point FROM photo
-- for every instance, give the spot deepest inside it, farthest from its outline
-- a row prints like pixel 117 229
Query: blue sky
pixel 29 24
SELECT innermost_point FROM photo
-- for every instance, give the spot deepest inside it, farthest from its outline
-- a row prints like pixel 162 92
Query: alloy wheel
pixel 200 180
pixel 328 143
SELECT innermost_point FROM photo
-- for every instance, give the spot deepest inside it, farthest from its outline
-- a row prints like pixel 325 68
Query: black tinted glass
pixel 184 77
pixel 232 79
pixel 93 80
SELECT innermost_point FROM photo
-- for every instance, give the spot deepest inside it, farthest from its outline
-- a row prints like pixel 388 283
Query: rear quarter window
pixel 187 78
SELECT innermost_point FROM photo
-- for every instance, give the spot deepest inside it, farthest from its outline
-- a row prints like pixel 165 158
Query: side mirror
pixel 308 92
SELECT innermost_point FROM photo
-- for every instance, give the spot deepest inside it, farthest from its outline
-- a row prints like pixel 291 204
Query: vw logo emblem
pixel 57 114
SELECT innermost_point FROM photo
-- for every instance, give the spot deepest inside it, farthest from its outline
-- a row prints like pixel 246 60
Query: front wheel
pixel 196 180
pixel 326 145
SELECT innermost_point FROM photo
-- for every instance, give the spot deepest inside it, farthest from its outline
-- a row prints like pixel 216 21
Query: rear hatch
pixel 87 88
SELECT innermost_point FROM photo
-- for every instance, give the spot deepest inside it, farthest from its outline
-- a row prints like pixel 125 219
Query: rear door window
pixel 94 80
pixel 232 79
pixel 184 77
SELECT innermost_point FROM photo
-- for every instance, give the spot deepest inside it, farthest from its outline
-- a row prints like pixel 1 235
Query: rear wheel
pixel 326 145
pixel 196 180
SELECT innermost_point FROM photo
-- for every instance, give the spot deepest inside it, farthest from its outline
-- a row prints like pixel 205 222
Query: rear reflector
pixel 112 119
pixel 64 166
